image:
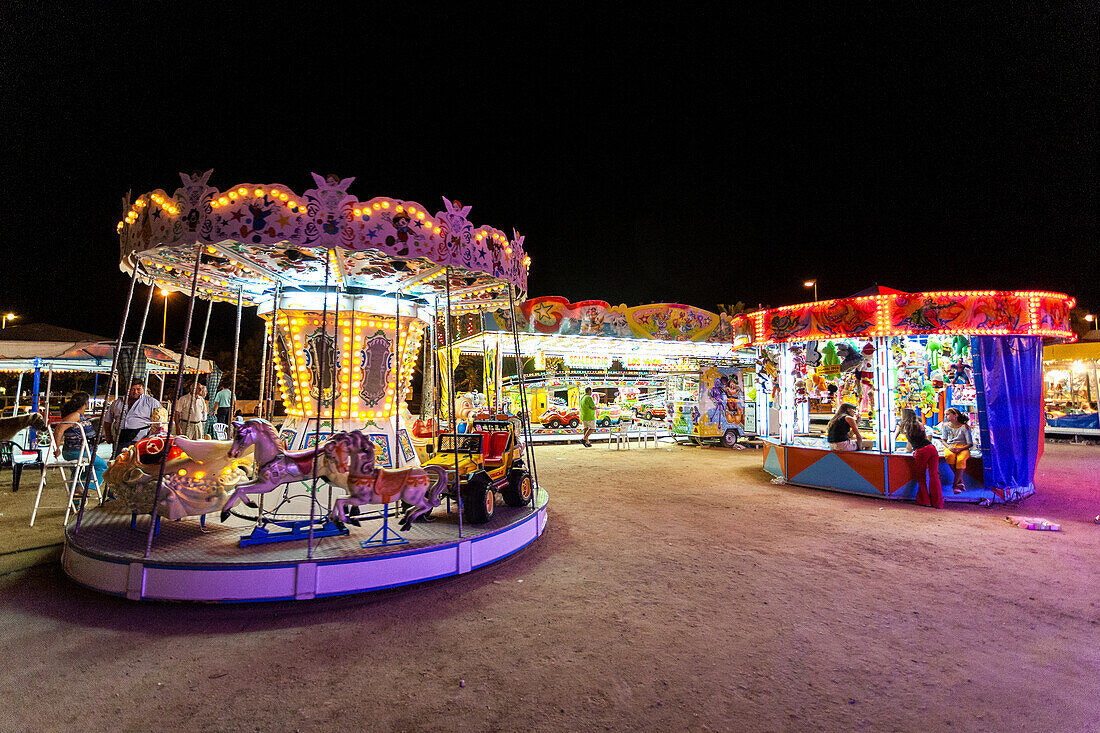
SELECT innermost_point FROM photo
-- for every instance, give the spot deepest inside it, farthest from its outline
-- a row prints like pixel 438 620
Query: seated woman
pixel 957 442
pixel 926 459
pixel 71 433
pixel 843 433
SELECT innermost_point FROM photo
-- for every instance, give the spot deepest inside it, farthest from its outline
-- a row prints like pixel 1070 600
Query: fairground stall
pixel 1071 388
pixel 625 354
pixel 38 351
pixel 348 290
pixel 978 351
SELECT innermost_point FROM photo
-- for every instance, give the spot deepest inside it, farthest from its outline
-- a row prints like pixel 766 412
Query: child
pixel 926 459
pixel 957 442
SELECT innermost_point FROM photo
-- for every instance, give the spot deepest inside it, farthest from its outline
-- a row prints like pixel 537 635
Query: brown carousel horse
pixel 345 460
pixel 9 426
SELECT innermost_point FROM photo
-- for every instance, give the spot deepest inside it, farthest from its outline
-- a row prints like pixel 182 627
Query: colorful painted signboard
pixel 659 321
pixel 967 313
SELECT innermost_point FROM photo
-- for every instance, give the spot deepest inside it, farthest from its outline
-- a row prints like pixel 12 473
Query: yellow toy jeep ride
pixel 489 460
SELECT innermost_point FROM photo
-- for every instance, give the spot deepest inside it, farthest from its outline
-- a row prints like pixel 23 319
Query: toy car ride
pixel 489 460
pixel 557 417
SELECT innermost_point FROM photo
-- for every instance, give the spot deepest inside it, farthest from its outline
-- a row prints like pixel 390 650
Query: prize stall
pixel 624 353
pixel 348 290
pixel 977 351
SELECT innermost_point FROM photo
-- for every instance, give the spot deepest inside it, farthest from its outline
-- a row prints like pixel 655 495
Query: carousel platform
pixel 190 562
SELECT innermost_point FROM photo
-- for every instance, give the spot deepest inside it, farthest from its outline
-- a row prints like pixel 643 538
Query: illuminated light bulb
pixel 259 192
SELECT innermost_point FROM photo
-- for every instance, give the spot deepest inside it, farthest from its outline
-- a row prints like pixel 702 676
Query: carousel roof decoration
pixel 893 313
pixel 255 235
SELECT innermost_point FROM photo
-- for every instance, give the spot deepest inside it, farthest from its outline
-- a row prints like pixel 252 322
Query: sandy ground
pixel 674 589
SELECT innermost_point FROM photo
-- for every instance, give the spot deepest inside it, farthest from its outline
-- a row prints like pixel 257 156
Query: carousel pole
pixel 335 378
pixel 133 362
pixel 354 355
pixel 260 406
pixel 271 354
pixel 198 362
pixel 107 393
pixel 179 389
pixel 397 381
pixel 321 368
pixel 236 353
pixel 525 417
pixel 453 418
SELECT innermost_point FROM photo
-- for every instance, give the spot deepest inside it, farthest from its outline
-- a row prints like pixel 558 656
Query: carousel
pixel 331 498
pixel 979 352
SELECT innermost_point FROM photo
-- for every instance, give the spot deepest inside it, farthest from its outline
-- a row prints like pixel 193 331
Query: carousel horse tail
pixel 435 492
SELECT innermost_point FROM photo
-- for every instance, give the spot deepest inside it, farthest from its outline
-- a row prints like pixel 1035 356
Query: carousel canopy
pixel 251 236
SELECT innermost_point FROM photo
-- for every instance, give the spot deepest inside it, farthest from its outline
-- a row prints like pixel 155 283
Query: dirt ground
pixel 674 589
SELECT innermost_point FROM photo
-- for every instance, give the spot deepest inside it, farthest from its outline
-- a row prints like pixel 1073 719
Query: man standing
pixel 588 415
pixel 223 401
pixel 130 415
pixel 191 413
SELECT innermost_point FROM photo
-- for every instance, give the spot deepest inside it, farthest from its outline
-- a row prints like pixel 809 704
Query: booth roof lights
pixel 1033 305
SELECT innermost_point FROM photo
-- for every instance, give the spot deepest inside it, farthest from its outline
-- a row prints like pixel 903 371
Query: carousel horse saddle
pixel 391 481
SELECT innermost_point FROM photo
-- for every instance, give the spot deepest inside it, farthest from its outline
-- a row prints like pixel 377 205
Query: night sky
pixel 689 157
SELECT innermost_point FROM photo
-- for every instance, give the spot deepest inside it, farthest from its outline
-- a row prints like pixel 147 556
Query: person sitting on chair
pixel 71 433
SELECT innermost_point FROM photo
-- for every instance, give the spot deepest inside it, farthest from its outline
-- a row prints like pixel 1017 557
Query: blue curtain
pixel 1011 370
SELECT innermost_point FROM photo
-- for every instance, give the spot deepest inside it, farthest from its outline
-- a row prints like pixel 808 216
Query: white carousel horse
pixel 9 426
pixel 198 475
pixel 345 460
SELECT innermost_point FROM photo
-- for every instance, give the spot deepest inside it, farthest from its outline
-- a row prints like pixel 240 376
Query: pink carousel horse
pixel 345 460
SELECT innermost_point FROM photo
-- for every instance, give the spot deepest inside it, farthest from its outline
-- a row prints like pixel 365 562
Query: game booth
pixel 626 354
pixel 978 351
pixel 333 499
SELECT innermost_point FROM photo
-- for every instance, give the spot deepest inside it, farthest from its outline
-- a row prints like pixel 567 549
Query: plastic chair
pixel 82 462
pixel 621 433
pixel 221 431
pixel 14 456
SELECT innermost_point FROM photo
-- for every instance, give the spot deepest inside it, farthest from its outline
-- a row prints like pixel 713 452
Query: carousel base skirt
pixel 193 563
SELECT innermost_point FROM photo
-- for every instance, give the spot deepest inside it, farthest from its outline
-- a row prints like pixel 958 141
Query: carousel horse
pixel 346 460
pixel 9 426
pixel 198 474
pixel 353 461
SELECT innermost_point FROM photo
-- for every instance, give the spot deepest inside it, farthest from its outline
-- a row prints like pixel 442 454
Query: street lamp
pixel 164 325
pixel 811 284
pixel 8 317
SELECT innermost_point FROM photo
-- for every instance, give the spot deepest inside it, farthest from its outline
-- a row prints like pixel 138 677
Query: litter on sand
pixel 1036 523
pixel 779 480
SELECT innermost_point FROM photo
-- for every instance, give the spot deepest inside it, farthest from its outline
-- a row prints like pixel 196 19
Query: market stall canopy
pixel 253 236
pixel 88 356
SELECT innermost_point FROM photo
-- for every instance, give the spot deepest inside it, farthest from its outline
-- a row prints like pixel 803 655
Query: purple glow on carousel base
pixel 188 564
pixel 874 474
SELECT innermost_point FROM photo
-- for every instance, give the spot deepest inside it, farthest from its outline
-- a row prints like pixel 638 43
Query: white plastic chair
pixel 221 431
pixel 83 460
pixel 621 435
